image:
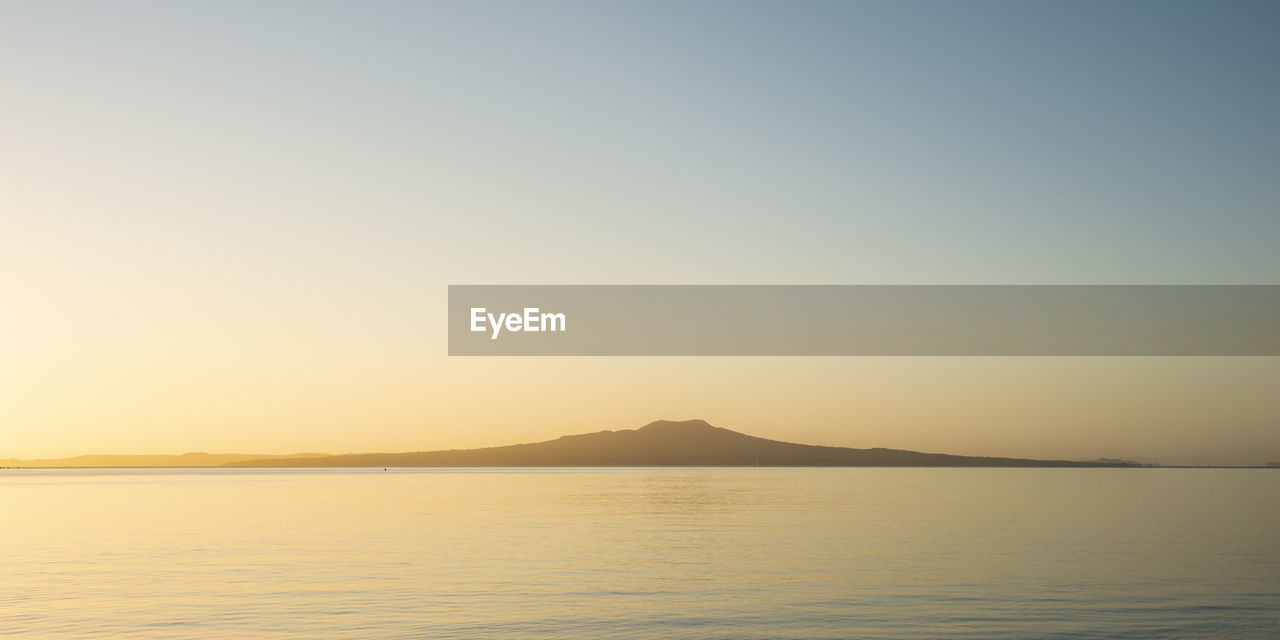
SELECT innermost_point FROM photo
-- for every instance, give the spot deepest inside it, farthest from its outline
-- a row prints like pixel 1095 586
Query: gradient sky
pixel 229 226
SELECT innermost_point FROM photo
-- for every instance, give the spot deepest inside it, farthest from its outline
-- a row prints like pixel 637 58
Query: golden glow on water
pixel 631 553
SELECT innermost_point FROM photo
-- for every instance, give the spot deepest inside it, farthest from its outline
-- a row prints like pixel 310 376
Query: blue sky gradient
pixel 211 199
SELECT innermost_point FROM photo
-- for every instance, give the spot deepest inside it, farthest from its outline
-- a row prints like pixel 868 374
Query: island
pixel 661 444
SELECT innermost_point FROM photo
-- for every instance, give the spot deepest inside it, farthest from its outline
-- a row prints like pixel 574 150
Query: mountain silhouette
pixel 663 443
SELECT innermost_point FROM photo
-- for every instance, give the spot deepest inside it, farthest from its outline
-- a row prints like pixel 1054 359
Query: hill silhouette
pixel 663 443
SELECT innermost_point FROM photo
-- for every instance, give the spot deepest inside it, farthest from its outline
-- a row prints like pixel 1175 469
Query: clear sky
pixel 229 226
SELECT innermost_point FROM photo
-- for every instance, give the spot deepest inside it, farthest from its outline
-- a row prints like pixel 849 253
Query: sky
pixel 230 226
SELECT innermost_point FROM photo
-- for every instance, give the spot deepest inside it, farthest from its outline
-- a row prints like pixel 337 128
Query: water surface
pixel 640 553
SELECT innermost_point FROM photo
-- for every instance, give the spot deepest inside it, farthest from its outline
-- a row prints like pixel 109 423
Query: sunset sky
pixel 230 226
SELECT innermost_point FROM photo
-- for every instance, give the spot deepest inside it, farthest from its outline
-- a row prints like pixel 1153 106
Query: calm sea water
pixel 640 553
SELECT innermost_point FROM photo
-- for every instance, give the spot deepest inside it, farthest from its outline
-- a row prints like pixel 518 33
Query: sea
pixel 732 553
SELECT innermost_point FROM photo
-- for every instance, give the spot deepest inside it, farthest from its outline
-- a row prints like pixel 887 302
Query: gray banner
pixel 786 320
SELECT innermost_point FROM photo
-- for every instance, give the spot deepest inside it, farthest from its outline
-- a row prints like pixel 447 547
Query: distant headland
pixel 195 459
pixel 664 443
